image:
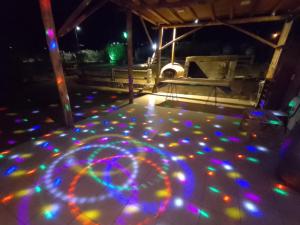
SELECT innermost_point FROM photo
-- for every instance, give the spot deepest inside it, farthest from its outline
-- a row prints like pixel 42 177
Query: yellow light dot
pixel 91 214
pixel 234 213
pixel 233 175
pixel 163 193
pixel 218 149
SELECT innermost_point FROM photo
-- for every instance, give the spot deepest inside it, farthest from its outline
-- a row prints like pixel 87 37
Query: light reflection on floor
pixel 145 164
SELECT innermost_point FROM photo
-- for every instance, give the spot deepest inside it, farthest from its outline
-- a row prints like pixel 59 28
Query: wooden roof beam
pixel 253 9
pixel 212 10
pixel 250 34
pixel 182 3
pixel 276 7
pixel 232 9
pixel 175 14
pixel 77 21
pixel 135 9
pixel 75 14
pixel 262 19
pixel 157 15
pixel 181 37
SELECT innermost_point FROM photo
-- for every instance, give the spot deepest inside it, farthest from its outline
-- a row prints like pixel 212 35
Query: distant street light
pixel 125 35
pixel 275 35
pixel 154 46
pixel 77 29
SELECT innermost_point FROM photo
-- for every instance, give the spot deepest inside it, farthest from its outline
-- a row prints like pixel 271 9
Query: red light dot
pixel 211 173
pixel 226 198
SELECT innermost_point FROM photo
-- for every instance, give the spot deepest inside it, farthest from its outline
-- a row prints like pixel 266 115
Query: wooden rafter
pixel 211 6
pixel 76 13
pixel 134 8
pixel 261 19
pixel 80 19
pixel 181 37
pixel 232 9
pixel 254 6
pixel 193 12
pixel 182 3
pixel 250 34
pixel 157 15
pixel 276 7
pixel 176 15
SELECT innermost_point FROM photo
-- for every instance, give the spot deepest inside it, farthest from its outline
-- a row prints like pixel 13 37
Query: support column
pixel 278 51
pixel 173 46
pixel 158 55
pixel 47 16
pixel 130 56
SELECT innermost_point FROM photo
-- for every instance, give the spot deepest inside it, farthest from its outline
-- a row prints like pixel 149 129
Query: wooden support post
pixel 278 51
pixel 130 56
pixel 173 46
pixel 158 55
pixel 47 16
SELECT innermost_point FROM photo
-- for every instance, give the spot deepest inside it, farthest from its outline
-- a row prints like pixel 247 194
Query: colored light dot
pixel 213 189
pixel 226 198
pixel 43 167
pixel 178 202
pixel 254 160
pixel 281 192
pixel 1 156
pixel 38 189
pixel 211 173
pixel 203 213
pixel 211 168
pixel 200 153
pixel 274 122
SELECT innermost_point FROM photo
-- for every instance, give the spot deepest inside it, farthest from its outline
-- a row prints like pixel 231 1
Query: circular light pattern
pixel 49 184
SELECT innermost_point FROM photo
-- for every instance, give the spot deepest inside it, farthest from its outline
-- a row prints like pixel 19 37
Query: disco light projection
pixel 139 170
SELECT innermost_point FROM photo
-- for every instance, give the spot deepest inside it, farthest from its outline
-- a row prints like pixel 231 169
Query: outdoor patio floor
pixel 146 164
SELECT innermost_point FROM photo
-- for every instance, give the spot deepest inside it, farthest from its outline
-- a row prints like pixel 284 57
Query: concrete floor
pixel 146 164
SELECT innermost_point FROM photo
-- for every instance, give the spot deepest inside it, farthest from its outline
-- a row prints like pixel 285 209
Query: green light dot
pixel 43 167
pixel 224 139
pixel 213 189
pixel 254 160
pixel 292 104
pixel 1 156
pixel 56 150
pixel 274 122
pixel 203 213
pixel 281 192
pixel 38 189
pixel 200 153
pixel 210 168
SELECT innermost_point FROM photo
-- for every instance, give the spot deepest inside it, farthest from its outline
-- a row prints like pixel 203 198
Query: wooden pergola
pixel 173 14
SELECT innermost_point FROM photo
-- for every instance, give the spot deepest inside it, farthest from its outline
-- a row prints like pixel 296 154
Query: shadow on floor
pixel 220 110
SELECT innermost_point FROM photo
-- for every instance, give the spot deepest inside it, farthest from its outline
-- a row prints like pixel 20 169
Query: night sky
pixel 23 29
